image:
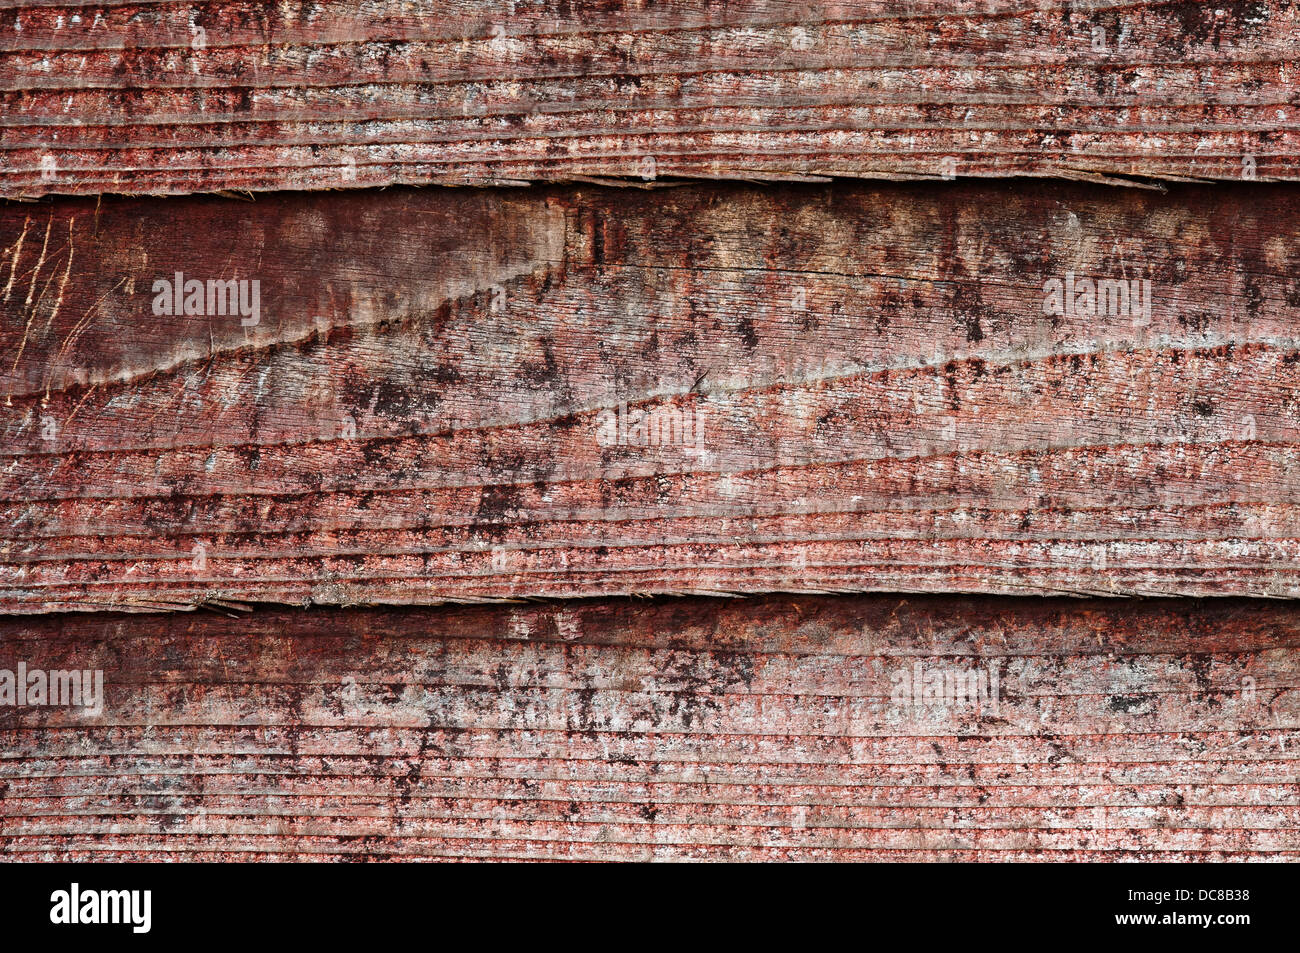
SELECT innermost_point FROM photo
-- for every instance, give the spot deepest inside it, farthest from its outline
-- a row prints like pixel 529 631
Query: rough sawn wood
pixel 668 730
pixel 852 389
pixel 168 97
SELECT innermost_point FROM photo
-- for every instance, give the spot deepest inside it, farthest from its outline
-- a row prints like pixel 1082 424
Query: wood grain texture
pixel 663 730
pixel 876 399
pixel 167 97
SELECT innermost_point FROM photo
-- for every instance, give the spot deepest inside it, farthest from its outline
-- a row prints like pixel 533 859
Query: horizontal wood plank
pixel 771 728
pixel 164 97
pixel 445 395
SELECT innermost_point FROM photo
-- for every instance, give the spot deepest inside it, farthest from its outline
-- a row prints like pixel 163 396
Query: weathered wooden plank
pixel 161 97
pixel 772 728
pixel 850 388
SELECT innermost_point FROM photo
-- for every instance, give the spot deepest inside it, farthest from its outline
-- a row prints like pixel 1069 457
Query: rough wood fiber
pixel 669 730
pixel 164 97
pixel 422 412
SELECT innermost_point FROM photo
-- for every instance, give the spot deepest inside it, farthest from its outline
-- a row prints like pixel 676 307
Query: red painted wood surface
pixel 164 97
pixel 423 411
pixel 442 396
pixel 668 730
